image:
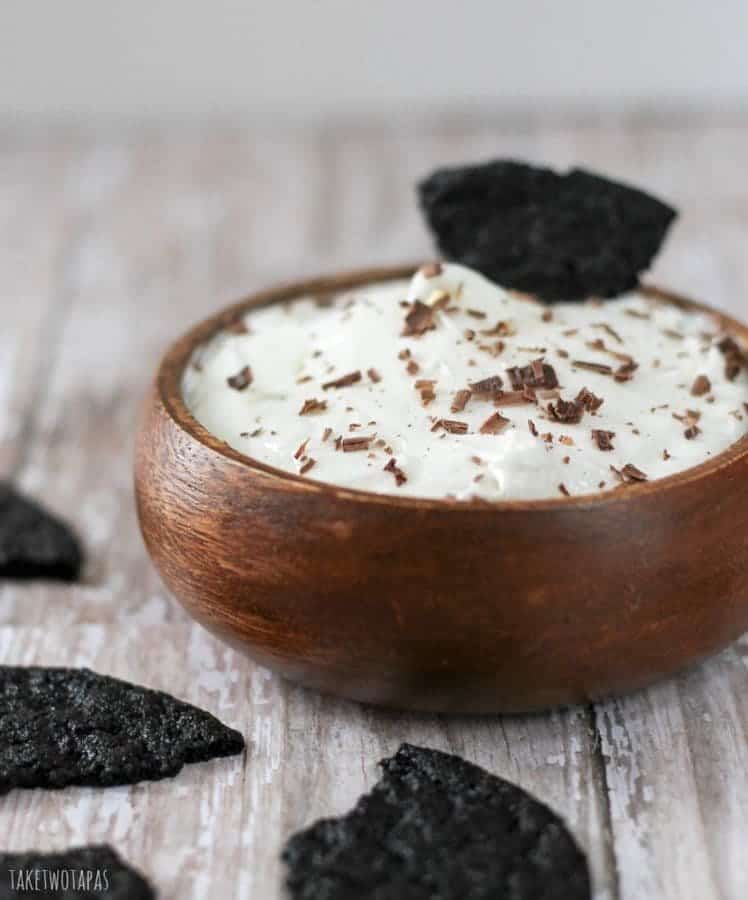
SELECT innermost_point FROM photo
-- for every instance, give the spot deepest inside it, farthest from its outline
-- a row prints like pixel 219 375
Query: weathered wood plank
pixel 35 213
pixel 158 230
pixel 677 770
pixel 175 229
pixel 218 828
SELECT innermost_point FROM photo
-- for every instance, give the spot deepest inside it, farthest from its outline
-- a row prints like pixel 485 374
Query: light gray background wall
pixel 304 59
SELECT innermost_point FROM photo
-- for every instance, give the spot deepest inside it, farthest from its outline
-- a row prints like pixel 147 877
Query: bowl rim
pixel 174 362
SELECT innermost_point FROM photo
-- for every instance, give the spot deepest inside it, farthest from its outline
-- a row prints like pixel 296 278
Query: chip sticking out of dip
pixel 559 237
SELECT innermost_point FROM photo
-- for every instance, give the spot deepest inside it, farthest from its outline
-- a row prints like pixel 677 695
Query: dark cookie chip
pixel 560 237
pixel 83 873
pixel 436 827
pixel 61 727
pixel 33 543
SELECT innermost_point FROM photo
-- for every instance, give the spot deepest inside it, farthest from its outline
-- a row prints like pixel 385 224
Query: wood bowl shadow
pixel 439 605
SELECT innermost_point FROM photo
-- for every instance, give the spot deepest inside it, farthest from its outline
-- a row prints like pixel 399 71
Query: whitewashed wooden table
pixel 110 246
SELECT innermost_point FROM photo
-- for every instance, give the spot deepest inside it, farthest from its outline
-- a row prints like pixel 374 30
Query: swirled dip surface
pixel 450 386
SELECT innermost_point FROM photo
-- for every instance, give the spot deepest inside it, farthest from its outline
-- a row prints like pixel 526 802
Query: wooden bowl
pixel 436 604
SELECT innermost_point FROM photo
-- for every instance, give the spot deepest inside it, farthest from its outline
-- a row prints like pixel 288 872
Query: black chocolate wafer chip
pixel 83 873
pixel 560 237
pixel 436 827
pixel 61 727
pixel 34 543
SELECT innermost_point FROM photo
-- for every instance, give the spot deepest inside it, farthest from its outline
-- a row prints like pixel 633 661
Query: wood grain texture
pixel 217 829
pixel 153 230
pixel 34 247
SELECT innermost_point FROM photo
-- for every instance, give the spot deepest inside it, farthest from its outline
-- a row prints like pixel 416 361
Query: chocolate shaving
pixel 242 380
pixel 516 398
pixel 343 381
pixel 495 349
pixel 591 402
pixel 600 368
pixel 629 474
pixel 313 406
pixel 302 450
pixel 693 431
pixel 353 444
pixel 450 425
pixel 533 428
pixel 500 329
pixel 392 466
pixel 600 345
pixel 672 333
pixel 690 417
pixel 603 439
pixel 374 375
pixel 547 315
pixel 487 386
pixel 567 411
pixel 636 314
pixel 626 371
pixel 426 388
pixel 476 313
pixel 413 368
pixel 459 401
pixel 564 490
pixel 735 358
pixel 326 434
pixel 419 320
pixel 308 464
pixel 494 424
pixel 537 375
pixel 702 385
pixel 610 330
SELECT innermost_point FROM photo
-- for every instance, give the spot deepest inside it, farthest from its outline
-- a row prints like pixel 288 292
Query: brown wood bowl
pixel 436 604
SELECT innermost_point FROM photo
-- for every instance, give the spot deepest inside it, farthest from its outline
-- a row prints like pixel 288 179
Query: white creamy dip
pixel 671 409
